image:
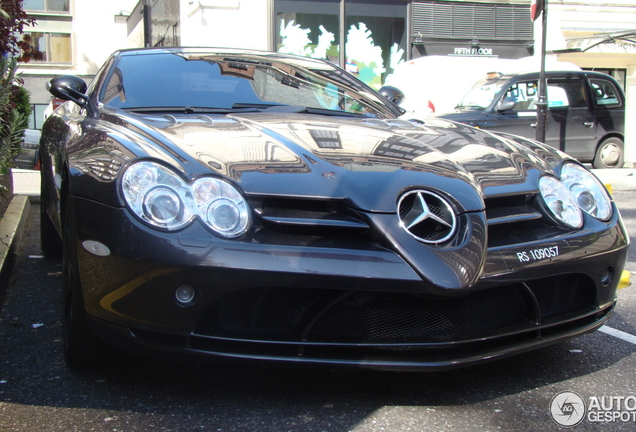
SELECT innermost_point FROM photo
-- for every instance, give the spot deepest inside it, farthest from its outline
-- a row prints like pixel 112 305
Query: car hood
pixel 465 116
pixel 367 163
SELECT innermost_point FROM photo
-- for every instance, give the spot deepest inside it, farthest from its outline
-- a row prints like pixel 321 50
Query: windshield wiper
pixel 190 109
pixel 281 108
pixel 470 105
pixel 247 108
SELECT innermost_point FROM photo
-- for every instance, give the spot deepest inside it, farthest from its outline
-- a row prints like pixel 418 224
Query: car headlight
pixel 587 190
pixel 560 202
pixel 159 197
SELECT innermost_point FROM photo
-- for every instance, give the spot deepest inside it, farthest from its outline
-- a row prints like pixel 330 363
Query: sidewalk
pixel 26 182
pixel 617 179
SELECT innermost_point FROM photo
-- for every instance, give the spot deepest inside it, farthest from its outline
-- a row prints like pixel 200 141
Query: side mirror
pixel 505 105
pixel 69 87
pixel 393 94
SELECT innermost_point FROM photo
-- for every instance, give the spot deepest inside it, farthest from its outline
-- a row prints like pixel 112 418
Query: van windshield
pixel 481 95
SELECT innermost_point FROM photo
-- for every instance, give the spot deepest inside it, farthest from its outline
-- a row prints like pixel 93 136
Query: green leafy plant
pixel 14 112
pixel 14 42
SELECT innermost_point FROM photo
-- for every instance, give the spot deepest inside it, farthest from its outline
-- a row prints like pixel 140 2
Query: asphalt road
pixel 38 393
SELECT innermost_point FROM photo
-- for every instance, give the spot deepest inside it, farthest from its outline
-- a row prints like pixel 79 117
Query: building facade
pixel 76 37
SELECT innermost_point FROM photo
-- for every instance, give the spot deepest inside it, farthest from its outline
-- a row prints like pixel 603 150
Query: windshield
pixel 481 95
pixel 203 81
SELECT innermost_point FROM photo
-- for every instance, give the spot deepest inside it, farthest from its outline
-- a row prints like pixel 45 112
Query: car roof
pixel 219 51
pixel 524 75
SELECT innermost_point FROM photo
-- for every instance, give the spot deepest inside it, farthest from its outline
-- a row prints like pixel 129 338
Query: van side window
pixel 566 92
pixel 605 94
pixel 562 93
pixel 523 94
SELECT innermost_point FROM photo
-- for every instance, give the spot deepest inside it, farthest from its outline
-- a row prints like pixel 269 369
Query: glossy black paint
pixel 325 221
pixel 68 87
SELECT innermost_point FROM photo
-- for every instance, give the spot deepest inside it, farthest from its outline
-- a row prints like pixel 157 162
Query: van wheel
pixel 609 154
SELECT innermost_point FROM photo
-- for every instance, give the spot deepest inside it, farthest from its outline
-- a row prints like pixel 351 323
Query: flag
pixel 536 7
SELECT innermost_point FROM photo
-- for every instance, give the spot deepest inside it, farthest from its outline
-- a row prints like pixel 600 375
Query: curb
pixel 12 227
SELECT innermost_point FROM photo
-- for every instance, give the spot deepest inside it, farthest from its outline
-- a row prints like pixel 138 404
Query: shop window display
pixel 375 34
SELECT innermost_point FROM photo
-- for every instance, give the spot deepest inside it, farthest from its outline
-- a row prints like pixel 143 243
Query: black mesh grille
pixel 314 315
pixel 563 294
pixel 394 317
pixel 260 313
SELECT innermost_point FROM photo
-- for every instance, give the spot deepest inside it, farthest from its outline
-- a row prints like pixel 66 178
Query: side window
pixel 557 97
pixel 524 95
pixel 566 92
pixel 605 93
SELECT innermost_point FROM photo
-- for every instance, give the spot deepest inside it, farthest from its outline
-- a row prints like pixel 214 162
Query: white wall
pixel 630 127
pixel 95 33
pixel 225 23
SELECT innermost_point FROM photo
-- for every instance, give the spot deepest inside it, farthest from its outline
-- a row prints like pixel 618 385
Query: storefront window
pixel 308 28
pixel 376 38
pixel 375 34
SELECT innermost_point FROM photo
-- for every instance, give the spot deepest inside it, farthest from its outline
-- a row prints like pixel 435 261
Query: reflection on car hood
pixel 368 162
pixel 465 115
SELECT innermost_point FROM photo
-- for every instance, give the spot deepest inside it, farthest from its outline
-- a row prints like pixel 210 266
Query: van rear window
pixel 605 93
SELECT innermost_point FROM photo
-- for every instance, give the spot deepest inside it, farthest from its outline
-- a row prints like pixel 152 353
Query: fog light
pixel 185 294
pixel 608 276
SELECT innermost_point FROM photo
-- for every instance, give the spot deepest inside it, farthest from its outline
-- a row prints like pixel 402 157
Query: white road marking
pixel 619 334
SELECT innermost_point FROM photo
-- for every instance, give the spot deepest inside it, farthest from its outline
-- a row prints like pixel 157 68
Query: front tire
pixel 82 349
pixel 609 154
pixel 50 241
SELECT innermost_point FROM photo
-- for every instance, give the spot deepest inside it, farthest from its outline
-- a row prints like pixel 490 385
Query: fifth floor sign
pixel 472 52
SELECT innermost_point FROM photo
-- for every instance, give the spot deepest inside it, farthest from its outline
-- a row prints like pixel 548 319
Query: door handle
pixel 589 124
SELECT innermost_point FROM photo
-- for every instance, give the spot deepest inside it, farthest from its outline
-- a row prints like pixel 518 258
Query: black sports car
pixel 249 205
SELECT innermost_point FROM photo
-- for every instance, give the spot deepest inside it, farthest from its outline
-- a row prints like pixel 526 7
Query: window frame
pixel 48 47
pixel 47 10
pixel 617 94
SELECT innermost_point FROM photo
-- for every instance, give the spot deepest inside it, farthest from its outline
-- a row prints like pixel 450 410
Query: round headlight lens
pixel 205 190
pixel 223 215
pixel 560 202
pixel 162 205
pixel 588 191
pixel 142 176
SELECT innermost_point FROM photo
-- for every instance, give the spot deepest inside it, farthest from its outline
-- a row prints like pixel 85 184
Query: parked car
pixel 233 204
pixel 29 157
pixel 586 112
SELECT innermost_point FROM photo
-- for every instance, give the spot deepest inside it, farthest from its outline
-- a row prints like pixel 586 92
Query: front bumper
pixel 341 302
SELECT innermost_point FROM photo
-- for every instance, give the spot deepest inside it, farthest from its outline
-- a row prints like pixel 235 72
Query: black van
pixel 585 118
